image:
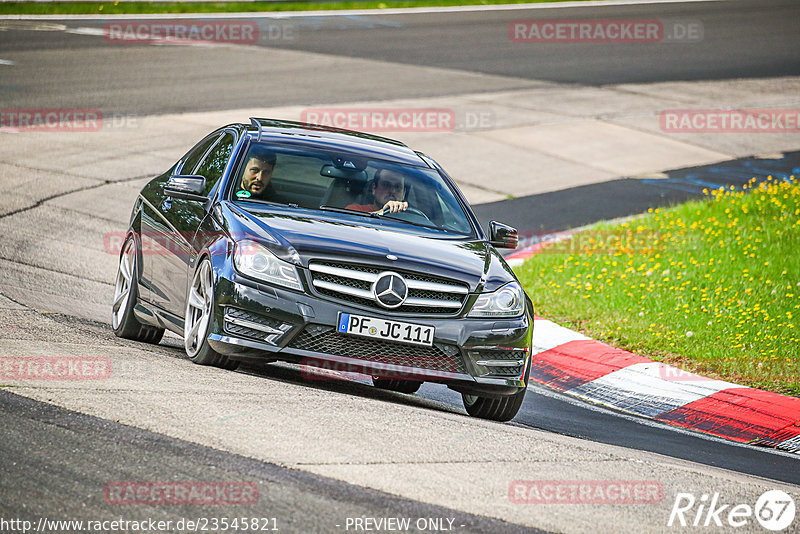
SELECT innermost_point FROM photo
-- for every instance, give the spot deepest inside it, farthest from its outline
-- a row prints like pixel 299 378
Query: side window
pixel 193 157
pixel 214 164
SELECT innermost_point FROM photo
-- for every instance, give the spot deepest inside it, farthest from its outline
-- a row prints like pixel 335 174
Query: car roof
pixel 316 136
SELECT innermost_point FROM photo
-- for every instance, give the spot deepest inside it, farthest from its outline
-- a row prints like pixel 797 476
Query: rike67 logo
pixel 774 510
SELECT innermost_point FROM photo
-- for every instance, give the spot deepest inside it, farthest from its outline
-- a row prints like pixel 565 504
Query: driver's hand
pixel 393 206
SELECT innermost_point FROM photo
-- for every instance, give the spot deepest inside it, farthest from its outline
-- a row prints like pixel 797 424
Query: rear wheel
pixel 197 322
pixel 494 408
pixel 126 292
pixel 400 386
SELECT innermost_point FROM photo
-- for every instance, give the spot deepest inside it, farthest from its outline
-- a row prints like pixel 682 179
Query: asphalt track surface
pixel 741 39
pixel 469 42
pixel 149 80
pixel 64 482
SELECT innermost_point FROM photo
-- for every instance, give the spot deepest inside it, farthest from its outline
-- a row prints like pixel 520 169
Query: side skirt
pixel 153 315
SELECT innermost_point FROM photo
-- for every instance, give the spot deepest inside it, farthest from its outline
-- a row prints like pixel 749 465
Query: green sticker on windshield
pixel 243 194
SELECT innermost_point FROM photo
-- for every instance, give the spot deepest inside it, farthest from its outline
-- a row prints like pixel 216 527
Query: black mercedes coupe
pixel 284 241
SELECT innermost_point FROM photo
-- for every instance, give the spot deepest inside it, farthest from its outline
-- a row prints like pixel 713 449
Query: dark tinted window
pixel 193 157
pixel 214 164
pixel 311 180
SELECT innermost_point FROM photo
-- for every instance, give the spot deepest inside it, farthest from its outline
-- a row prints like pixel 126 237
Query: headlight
pixel 256 261
pixel 508 301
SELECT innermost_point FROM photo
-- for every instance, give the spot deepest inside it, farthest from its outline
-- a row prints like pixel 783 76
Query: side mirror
pixel 186 186
pixel 503 236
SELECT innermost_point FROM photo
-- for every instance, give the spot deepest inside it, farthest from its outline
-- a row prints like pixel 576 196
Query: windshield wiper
pixel 261 201
pixel 350 212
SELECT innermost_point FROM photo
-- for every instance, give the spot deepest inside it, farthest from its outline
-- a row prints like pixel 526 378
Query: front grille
pixel 352 283
pixel 439 357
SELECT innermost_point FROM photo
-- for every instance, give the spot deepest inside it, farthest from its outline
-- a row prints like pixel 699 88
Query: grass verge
pixel 710 286
pixel 130 8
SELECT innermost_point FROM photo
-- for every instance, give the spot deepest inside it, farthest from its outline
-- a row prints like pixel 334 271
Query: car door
pixel 167 226
pixel 187 217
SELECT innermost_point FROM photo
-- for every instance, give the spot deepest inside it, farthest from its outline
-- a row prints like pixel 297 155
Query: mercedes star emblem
pixel 390 290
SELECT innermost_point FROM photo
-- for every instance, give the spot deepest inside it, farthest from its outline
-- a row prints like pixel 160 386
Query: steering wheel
pixel 408 211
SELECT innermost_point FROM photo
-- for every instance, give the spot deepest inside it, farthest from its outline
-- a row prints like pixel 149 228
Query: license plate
pixel 358 325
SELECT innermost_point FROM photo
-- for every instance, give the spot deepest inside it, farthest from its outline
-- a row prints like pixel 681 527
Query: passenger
pixel 258 173
pixel 387 190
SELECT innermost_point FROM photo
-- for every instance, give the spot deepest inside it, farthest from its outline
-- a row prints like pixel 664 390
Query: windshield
pixel 348 184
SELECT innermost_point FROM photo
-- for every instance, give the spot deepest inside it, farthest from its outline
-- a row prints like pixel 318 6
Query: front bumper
pixel 254 321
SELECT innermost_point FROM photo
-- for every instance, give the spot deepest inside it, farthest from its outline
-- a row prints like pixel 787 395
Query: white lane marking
pixel 102 32
pixel 87 31
pixel 9 23
pixel 347 13
pixel 6 62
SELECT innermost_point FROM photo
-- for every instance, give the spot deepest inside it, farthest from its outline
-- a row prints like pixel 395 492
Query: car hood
pixel 340 237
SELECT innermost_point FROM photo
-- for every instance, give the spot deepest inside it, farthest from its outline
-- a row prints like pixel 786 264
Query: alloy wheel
pixel 198 309
pixel 122 287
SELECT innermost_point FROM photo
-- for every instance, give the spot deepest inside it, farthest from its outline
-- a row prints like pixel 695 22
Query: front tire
pixel 197 321
pixel 126 292
pixel 494 408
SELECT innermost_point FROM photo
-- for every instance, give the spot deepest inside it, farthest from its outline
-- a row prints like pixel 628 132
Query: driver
pixel 388 190
pixel 258 173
